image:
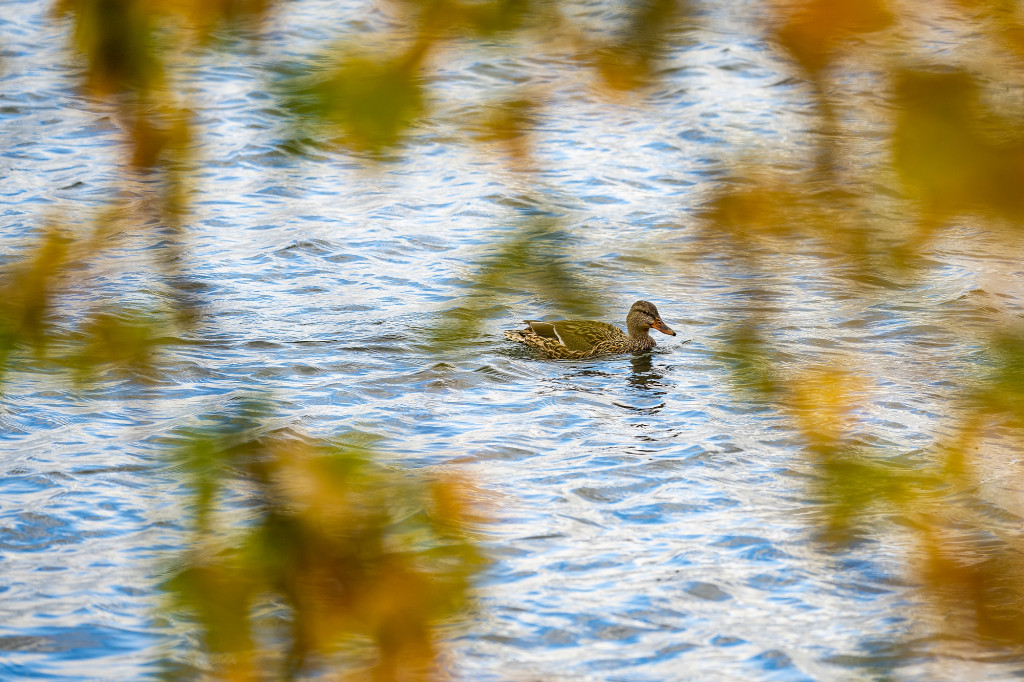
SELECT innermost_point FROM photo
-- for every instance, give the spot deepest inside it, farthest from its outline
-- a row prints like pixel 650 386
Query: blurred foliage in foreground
pixel 873 199
pixel 883 184
pixel 317 546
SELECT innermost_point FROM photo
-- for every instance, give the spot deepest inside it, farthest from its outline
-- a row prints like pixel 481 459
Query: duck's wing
pixel 579 335
pixel 541 328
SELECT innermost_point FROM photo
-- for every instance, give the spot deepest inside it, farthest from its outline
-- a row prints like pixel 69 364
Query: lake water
pixel 649 522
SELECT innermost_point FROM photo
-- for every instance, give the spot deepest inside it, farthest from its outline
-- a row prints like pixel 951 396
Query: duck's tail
pixel 516 335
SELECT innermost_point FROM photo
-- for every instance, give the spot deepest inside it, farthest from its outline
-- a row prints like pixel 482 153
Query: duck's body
pixel 579 339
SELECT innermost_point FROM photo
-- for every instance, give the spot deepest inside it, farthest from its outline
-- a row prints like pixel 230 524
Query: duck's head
pixel 642 317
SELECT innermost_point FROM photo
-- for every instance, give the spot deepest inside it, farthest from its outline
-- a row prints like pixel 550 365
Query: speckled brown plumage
pixel 578 339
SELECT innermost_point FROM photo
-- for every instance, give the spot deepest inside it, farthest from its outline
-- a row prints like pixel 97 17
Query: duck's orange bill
pixel 663 328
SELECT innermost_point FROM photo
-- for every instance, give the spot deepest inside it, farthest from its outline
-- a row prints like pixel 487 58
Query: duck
pixel 580 339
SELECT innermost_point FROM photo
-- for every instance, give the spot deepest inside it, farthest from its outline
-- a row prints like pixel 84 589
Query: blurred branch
pixel 27 290
pixel 357 102
pixel 632 58
pixel 43 317
pixel 533 260
pixel 361 562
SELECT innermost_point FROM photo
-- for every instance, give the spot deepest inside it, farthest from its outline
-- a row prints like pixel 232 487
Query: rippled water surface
pixel 651 524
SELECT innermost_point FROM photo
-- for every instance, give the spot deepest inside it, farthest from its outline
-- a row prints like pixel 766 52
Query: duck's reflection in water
pixel 644 376
pixel 649 398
